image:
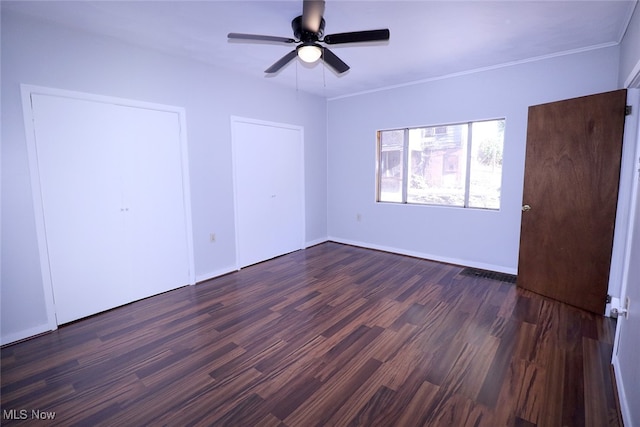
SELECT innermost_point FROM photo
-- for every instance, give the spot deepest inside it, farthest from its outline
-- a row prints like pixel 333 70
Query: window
pixel 391 161
pixel 452 165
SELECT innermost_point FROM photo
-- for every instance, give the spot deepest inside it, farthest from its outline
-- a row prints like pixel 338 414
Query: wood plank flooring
pixel 330 336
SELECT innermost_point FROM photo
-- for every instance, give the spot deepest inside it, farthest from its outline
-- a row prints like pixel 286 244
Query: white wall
pixel 38 53
pixel 485 239
pixel 630 50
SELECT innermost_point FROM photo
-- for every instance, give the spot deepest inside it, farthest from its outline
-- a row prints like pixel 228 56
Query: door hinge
pixel 627 110
pixel 608 299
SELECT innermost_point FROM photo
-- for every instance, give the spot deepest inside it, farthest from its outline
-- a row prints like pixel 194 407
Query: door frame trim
pixel 234 154
pixel 633 216
pixel 27 91
pixel 623 208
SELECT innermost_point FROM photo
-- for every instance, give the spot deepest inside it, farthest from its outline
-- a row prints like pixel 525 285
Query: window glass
pixel 391 161
pixel 450 165
pixel 437 165
pixel 486 164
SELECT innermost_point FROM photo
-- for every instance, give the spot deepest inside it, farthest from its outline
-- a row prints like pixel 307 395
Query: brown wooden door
pixel 572 173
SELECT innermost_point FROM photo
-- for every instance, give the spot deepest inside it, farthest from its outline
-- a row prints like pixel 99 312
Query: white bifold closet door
pixel 269 190
pixel 111 182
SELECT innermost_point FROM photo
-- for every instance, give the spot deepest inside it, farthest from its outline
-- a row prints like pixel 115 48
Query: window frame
pixel 405 163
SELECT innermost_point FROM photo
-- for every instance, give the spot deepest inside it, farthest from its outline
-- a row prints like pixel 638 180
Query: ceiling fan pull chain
pixel 324 77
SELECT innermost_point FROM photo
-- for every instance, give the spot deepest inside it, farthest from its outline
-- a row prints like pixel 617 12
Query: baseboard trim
pixel 431 257
pixel 217 273
pixel 315 242
pixel 25 334
pixel 622 398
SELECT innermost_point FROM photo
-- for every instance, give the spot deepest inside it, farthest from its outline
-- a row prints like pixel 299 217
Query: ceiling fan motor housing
pixel 306 35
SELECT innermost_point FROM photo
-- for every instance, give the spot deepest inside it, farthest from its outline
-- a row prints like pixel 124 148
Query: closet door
pixel 153 196
pixel 81 182
pixel 113 234
pixel 269 183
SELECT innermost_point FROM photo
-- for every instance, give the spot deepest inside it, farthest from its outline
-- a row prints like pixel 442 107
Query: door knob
pixel 526 208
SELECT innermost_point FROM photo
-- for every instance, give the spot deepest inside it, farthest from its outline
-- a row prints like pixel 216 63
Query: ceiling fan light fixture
pixel 309 53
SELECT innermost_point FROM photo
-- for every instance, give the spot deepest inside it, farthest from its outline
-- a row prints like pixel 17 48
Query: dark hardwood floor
pixel 332 335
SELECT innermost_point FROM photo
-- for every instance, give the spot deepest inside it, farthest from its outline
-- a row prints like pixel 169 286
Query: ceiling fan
pixel 308 30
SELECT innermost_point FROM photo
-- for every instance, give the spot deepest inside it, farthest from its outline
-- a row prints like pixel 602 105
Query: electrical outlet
pixel 358 217
pixel 212 237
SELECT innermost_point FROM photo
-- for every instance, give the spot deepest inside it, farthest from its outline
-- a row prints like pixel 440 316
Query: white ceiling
pixel 429 39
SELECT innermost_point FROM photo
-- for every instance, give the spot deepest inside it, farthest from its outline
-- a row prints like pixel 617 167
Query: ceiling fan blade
pixel 258 37
pixel 357 36
pixel 312 11
pixel 333 61
pixel 281 62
